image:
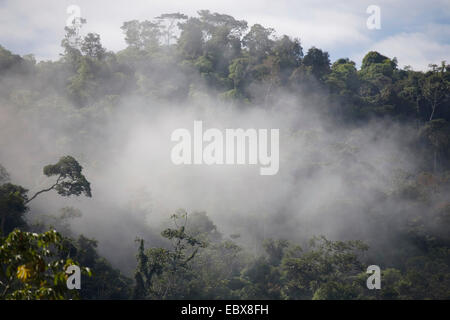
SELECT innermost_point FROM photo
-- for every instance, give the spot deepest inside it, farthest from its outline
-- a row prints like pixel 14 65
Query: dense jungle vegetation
pixel 176 59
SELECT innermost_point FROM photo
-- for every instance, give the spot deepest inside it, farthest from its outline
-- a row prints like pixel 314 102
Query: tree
pixel 239 74
pixel 258 41
pixel 263 277
pixel 435 90
pixel 437 132
pixel 288 55
pixel 373 57
pixel 323 270
pixel 11 62
pixel 32 267
pixel 132 33
pixel 170 265
pixel 343 77
pixel 72 42
pixel 405 112
pixel 317 62
pixel 105 282
pixel 82 85
pixel 142 35
pixel 375 64
pixel 190 44
pixel 214 21
pixel 222 34
pixel 13 200
pixel 92 47
pixel 149 35
pixel 70 180
pixel 171 20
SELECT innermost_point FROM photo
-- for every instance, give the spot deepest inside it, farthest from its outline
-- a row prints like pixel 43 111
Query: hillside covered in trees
pixel 364 175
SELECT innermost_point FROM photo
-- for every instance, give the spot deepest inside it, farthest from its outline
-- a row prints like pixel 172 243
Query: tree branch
pixel 44 190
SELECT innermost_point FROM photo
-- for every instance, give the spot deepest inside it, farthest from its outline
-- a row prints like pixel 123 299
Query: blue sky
pixel 416 32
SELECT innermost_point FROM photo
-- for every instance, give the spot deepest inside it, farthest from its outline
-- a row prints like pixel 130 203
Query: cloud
pixel 325 29
pixel 414 49
pixel 339 28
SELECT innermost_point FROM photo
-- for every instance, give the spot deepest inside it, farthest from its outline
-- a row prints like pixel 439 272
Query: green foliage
pixel 261 280
pixel 105 282
pixel 10 62
pixel 142 35
pixel 31 266
pixel 317 62
pixel 12 207
pixel 374 58
pixel 70 180
pixel 92 46
pixel 435 89
pixel 72 41
pixel 258 41
pixel 167 31
pixel 179 58
pixel 322 270
pixel 343 78
pixel 13 198
pixel 437 134
pixel 160 271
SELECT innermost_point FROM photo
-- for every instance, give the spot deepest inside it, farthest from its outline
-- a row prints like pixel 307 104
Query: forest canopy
pixel 175 59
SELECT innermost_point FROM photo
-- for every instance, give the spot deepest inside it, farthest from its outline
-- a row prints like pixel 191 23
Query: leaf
pixel 23 273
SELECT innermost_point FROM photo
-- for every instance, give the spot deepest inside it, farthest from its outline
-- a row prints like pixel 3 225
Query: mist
pixel 330 178
pixel 363 159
